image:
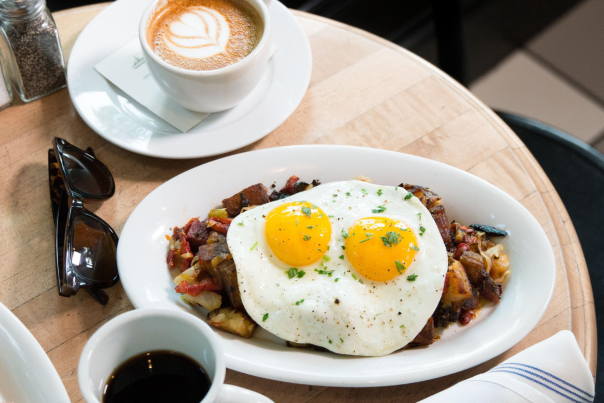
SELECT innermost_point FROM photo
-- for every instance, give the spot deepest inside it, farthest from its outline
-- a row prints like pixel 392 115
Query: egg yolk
pixel 380 248
pixel 298 233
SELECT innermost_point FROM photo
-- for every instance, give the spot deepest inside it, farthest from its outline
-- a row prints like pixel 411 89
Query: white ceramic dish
pixel 142 254
pixel 26 373
pixel 127 124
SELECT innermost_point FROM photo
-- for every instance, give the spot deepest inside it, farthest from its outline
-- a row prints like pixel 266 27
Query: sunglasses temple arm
pixel 99 295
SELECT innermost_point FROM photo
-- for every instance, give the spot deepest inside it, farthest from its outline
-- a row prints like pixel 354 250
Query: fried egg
pixel 353 267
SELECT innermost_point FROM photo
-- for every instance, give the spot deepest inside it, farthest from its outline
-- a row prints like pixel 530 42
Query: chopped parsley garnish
pixel 380 209
pixel 419 215
pixel 265 317
pixel 309 227
pixel 336 280
pixel 391 239
pixel 422 229
pixel 362 317
pixel 354 277
pixel 328 272
pixel 345 234
pixel 306 237
pixel 343 247
pixel 327 258
pixel 314 206
pixel 293 272
pixel 364 191
pixel 366 239
pixel 335 195
pixel 347 193
pixel 399 266
pixel 412 277
pixel 402 325
pixel 415 248
pixel 330 342
pixel 330 216
pixel 306 210
pixel 342 341
pixel 328 248
pixel 379 192
pixel 408 196
pixel 254 245
pixel 299 302
pixel 240 224
pixel 342 257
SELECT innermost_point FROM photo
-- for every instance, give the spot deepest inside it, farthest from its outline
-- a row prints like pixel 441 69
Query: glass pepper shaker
pixel 30 49
pixel 6 93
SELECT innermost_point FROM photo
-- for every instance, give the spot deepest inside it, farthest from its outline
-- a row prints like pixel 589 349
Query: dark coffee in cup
pixel 158 377
pixel 204 34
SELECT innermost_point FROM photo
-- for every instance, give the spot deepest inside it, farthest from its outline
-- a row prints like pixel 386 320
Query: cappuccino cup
pixel 201 74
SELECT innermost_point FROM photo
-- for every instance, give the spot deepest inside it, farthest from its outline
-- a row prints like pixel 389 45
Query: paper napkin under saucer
pixel 553 371
pixel 127 70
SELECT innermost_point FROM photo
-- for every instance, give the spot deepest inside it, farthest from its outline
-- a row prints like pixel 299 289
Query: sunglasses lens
pixel 93 251
pixel 87 174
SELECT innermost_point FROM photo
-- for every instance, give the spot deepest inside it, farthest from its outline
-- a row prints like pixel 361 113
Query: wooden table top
pixel 364 91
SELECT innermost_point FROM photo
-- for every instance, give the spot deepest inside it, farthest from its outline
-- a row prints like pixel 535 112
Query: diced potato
pixel 500 268
pixel 187 275
pixel 457 286
pixel 208 299
pixel 218 213
pixel 231 320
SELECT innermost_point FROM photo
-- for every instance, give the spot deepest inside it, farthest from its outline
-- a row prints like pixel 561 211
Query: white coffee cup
pixel 211 90
pixel 144 330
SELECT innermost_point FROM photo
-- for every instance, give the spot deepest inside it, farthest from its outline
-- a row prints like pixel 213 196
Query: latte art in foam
pixel 198 34
pixel 204 34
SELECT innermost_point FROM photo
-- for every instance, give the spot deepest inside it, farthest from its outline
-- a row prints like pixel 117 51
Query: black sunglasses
pixel 85 245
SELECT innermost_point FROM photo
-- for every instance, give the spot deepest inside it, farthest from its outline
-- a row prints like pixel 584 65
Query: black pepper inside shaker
pixel 30 50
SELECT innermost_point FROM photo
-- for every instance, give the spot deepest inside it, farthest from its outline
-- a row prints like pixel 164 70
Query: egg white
pixel 348 316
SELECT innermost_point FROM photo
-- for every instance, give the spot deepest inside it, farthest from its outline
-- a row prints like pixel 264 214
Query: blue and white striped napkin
pixel 553 371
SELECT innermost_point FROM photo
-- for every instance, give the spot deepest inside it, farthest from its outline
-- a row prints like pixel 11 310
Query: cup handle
pixel 235 394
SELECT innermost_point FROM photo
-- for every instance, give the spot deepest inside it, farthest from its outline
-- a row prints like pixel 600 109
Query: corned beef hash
pixel 351 267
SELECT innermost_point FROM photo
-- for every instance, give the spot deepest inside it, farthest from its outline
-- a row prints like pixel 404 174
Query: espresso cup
pixel 209 90
pixel 143 330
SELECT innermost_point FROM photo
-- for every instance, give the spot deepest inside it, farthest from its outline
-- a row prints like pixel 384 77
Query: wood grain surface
pixel 364 91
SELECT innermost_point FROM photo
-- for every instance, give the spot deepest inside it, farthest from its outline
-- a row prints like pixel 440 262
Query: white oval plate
pixel 143 247
pixel 26 373
pixel 125 123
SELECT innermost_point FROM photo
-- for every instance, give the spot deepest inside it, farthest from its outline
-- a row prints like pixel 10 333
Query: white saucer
pixel 127 124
